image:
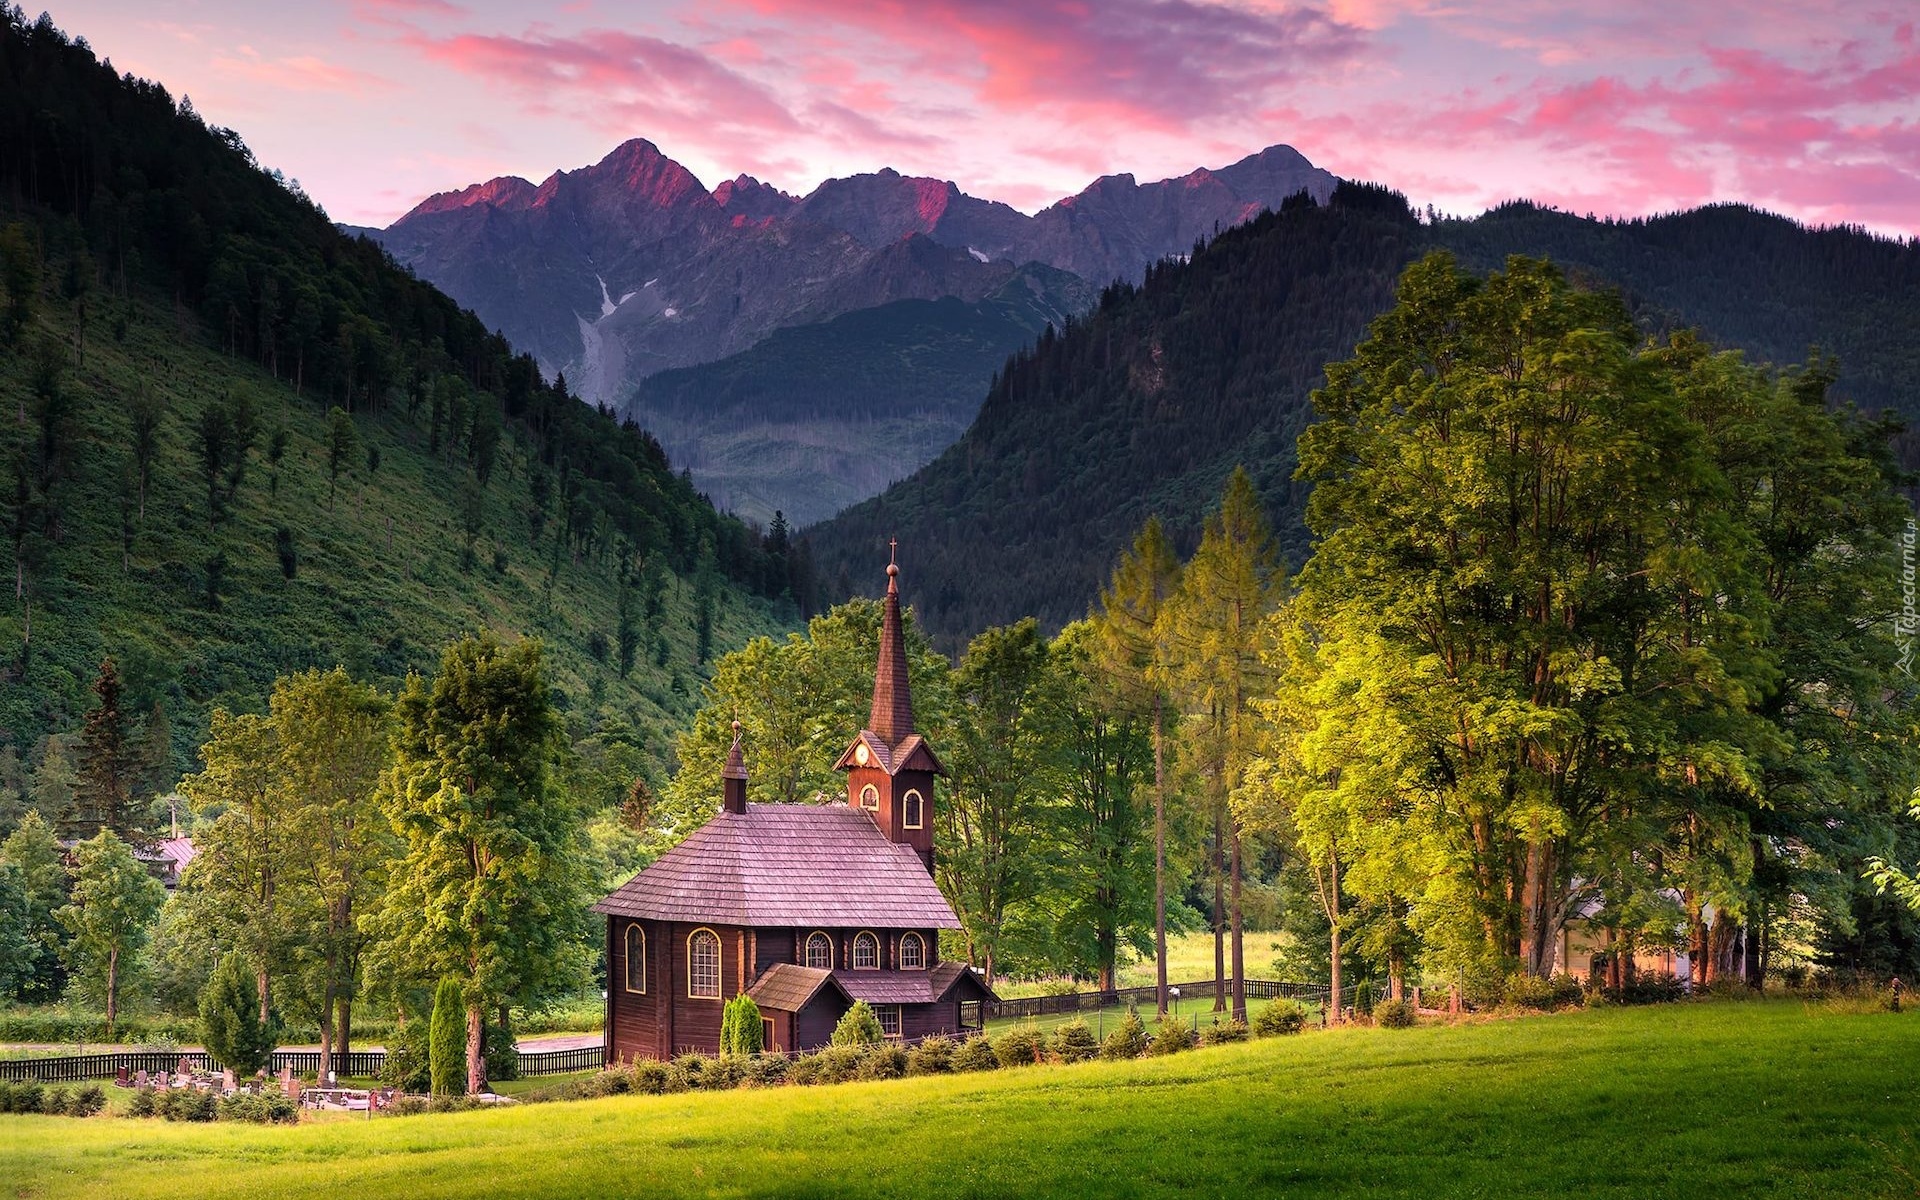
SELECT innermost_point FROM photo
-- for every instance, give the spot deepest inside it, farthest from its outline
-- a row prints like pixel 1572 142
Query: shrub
pixel 687 1072
pixel 407 1064
pixel 934 1056
pixel 451 1104
pixel 804 1071
pixel 1395 1014
pixel 858 1027
pixel 187 1104
pixel 839 1063
pixel 1170 1036
pixel 1221 1032
pixel 266 1108
pixel 54 1103
pixel 142 1104
pixel 649 1077
pixel 230 1018
pixel 1074 1042
pixel 1128 1039
pixel 723 1074
pixel 975 1054
pixel 1660 988
pixel 447 1041
pixel 1363 999
pixel 741 1031
pixel 766 1070
pixel 885 1061
pixel 1021 1046
pixel 26 1097
pixel 409 1106
pixel 88 1101
pixel 1526 991
pixel 502 1057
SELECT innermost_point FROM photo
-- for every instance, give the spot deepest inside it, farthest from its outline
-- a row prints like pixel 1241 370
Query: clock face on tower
pixel 860 754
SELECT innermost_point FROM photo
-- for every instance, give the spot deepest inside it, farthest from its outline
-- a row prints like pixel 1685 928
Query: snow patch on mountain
pixel 978 257
pixel 606 299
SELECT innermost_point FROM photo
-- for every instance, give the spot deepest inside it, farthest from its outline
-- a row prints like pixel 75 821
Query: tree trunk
pixel 345 1024
pixel 326 1035
pixel 1239 950
pixel 113 989
pixel 266 996
pixel 1219 919
pixel 476 1056
pixel 1159 857
pixel 1333 1003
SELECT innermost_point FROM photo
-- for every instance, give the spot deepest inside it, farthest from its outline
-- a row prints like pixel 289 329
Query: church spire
pixel 733 778
pixel 892 716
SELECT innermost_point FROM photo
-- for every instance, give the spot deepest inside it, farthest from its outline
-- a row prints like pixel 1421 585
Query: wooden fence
pixel 365 1064
pixel 1078 1002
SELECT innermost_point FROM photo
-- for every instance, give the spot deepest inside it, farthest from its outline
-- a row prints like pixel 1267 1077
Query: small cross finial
pixel 893 549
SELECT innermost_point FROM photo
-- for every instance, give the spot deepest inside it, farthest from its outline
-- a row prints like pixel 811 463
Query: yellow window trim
pixel 908 806
pixel 807 946
pixel 921 942
pixel 719 965
pixel 633 928
pixel 874 792
pixel 854 959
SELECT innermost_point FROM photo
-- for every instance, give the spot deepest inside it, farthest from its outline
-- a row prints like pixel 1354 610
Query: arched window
pixel 870 798
pixel 914 817
pixel 819 954
pixel 913 953
pixel 703 964
pixel 636 959
pixel 866 952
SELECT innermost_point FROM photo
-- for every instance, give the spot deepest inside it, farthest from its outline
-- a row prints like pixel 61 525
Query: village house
pixel 806 908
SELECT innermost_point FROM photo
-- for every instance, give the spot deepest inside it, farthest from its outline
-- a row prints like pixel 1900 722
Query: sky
pixel 1620 107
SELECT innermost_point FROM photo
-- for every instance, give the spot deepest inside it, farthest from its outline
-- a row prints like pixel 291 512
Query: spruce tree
pixel 109 764
pixel 230 1020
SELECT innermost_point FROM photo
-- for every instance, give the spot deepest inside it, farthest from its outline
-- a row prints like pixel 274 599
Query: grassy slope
pixel 1761 1099
pixel 376 602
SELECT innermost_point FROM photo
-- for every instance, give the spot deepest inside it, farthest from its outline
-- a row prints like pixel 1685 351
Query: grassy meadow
pixel 1761 1098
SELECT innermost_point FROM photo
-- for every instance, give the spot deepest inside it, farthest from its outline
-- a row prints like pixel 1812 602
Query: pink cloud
pixel 300 73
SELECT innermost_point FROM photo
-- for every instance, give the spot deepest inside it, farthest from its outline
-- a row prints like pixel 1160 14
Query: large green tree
pixel 108 917
pixel 487 889
pixel 33 854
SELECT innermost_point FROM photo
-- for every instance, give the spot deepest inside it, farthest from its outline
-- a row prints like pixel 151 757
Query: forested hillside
pixel 238 443
pixel 817 417
pixel 1146 405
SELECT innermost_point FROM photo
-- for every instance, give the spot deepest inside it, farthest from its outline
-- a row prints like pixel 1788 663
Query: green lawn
pixel 1724 1099
pixel 1189 958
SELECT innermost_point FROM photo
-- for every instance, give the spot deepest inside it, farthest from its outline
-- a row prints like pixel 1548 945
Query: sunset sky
pixel 1809 108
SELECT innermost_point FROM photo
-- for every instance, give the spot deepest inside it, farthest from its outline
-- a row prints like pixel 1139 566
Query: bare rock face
pixel 631 266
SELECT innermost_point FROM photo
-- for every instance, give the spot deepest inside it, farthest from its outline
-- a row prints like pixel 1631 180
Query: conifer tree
pixel 109 766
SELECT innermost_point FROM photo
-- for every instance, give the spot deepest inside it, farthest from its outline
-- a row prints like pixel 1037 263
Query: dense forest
pixel 241 444
pixel 1148 404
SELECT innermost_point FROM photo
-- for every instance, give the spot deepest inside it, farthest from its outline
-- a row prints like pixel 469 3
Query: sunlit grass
pixel 1726 1099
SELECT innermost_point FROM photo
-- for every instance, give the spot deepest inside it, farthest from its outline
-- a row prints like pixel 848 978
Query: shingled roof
pixel 788 987
pixel 903 987
pixel 787 865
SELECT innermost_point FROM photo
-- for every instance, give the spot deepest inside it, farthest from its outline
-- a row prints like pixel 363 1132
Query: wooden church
pixel 806 908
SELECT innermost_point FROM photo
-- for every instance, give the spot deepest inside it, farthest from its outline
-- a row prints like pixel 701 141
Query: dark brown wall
pixel 891 816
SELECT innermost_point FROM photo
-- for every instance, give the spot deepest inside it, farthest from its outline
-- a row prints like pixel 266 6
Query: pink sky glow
pixel 1625 107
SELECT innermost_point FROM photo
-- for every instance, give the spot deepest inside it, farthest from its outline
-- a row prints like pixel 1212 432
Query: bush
pixel 687 1073
pixel 142 1104
pixel 1170 1036
pixel 1660 988
pixel 447 1041
pixel 741 1031
pixel 54 1103
pixel 1526 991
pixel 266 1108
pixel 934 1056
pixel 407 1065
pixel 451 1104
pixel 1128 1039
pixel 187 1104
pixel 885 1061
pixel 1221 1032
pixel 409 1106
pixel 975 1054
pixel 502 1057
pixel 1021 1046
pixel 766 1070
pixel 1363 999
pixel 1395 1014
pixel 650 1077
pixel 804 1071
pixel 28 1097
pixel 723 1074
pixel 88 1101
pixel 858 1027
pixel 1074 1042
pixel 230 1021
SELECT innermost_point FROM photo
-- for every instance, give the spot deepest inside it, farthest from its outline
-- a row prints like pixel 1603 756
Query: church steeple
pixel 890 768
pixel 892 715
pixel 733 778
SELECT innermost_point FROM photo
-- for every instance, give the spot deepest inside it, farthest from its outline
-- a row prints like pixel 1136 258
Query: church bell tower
pixel 890 768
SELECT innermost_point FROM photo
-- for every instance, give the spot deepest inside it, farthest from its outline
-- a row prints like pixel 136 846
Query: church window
pixel 889 1015
pixel 915 817
pixel 819 952
pixel 870 798
pixel 913 953
pixel 866 953
pixel 636 959
pixel 703 965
